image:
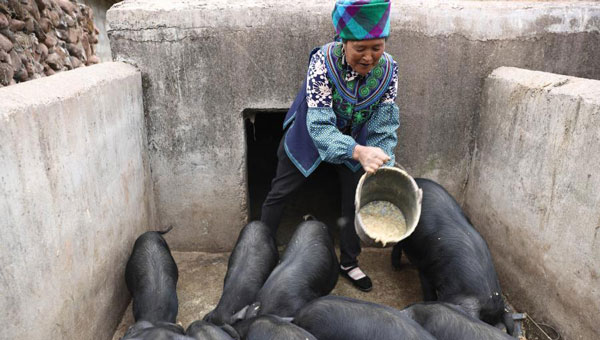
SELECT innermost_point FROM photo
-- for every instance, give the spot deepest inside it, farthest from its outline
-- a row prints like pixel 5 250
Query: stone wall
pixel 99 8
pixel 42 37
pixel 534 193
pixel 74 195
pixel 205 61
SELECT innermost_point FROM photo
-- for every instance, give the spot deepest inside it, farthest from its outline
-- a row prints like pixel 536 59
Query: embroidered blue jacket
pixel 337 108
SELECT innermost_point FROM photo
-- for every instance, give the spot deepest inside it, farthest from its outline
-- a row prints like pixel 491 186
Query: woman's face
pixel 363 55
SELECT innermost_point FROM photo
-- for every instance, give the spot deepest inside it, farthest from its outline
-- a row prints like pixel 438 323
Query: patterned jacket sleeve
pixel 384 123
pixel 333 146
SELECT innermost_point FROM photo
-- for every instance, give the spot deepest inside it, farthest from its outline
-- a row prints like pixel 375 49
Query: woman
pixel 345 114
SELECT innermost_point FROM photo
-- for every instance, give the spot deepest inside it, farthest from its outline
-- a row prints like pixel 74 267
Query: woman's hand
pixel 370 157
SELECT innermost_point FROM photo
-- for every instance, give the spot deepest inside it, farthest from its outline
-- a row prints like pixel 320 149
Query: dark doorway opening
pixel 319 196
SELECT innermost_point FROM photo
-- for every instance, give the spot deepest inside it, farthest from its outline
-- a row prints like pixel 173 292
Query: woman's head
pixel 361 19
pixel 363 26
pixel 363 55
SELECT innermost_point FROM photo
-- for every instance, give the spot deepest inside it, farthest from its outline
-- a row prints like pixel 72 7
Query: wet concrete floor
pixel 201 282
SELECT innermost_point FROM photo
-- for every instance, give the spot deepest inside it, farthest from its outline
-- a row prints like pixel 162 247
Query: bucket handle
pixel 397 165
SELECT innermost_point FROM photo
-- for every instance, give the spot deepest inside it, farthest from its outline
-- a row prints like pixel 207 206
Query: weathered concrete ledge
pixel 74 195
pixel 205 61
pixel 475 20
pixel 534 193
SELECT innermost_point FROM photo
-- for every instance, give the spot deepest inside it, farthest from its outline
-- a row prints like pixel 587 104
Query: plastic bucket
pixel 393 185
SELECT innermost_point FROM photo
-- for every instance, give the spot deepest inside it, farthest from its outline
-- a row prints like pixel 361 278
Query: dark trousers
pixel 288 178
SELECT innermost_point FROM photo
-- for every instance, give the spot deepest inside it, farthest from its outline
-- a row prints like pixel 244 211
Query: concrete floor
pixel 201 281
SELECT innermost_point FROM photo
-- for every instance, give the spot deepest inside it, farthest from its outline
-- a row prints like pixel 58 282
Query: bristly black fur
pixel 448 322
pixel 151 276
pixel 271 327
pixel 454 262
pixel 308 270
pixel 341 318
pixel 250 263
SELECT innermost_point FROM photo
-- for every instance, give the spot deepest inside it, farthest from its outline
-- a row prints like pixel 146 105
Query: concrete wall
pixel 204 61
pixel 447 48
pixel 534 194
pixel 74 195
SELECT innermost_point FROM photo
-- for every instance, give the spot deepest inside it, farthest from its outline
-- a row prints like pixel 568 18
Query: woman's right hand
pixel 370 157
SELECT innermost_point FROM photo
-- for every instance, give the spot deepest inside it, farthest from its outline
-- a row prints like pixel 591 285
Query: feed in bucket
pixel 388 207
pixel 384 220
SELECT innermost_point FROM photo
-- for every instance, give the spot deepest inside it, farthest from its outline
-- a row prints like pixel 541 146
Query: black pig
pixel 270 327
pixel 454 262
pixel 151 276
pixel 449 322
pixel 202 330
pixel 342 318
pixel 308 270
pixel 145 330
pixel 252 260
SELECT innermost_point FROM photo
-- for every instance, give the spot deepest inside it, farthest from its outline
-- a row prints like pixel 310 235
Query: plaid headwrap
pixel 362 19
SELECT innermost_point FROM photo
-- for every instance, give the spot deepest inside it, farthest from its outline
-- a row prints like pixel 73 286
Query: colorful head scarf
pixel 362 19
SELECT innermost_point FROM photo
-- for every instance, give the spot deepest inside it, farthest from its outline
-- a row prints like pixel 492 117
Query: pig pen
pixel 92 158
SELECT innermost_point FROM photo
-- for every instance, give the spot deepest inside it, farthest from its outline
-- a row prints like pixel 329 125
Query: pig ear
pixel 231 331
pixel 241 315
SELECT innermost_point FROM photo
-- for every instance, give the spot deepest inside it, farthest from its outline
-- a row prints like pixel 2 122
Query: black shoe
pixel 363 283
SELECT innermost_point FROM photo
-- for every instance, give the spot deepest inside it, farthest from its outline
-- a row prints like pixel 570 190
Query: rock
pixel 61 51
pixel 23 41
pixel 50 41
pixel 15 60
pixel 29 67
pixel 67 63
pixel 37 68
pixel 42 49
pixel 93 60
pixel 48 70
pixel 86 45
pixel 33 9
pixel 4 57
pixel 43 4
pixel 54 61
pixel 73 35
pixel 69 20
pixel 75 50
pixel 45 24
pixel 89 25
pixel 5 43
pixel 85 12
pixel 75 62
pixel 3 21
pixel 62 24
pixel 6 74
pixel 17 25
pixel 62 34
pixel 4 7
pixel 29 25
pixel 39 32
pixel 21 75
pixel 18 9
pixel 9 34
pixel 66 6
pixel 54 18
